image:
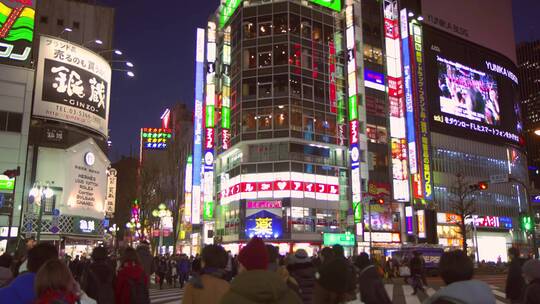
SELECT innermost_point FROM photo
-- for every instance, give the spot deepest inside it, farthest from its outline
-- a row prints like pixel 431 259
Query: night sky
pixel 160 41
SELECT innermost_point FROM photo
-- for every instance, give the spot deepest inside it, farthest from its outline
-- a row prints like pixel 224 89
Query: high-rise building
pixel 309 111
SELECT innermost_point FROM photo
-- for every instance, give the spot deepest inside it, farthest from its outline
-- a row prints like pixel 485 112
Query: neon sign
pixel 197 129
pixel 16 32
pixel 374 80
pixel 226 94
pixel 264 224
pixel 331 4
pixel 226 11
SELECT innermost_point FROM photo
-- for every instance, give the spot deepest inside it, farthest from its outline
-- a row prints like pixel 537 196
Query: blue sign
pixel 56 212
pixel 505 222
pixel 535 199
pixel 264 224
pixel 374 80
pixel 409 105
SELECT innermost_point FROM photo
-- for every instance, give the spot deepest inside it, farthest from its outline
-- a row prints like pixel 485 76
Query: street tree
pixel 462 203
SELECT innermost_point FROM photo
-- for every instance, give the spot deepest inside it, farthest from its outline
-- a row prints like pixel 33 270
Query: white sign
pixel 72 85
pixel 111 192
pixel 498 178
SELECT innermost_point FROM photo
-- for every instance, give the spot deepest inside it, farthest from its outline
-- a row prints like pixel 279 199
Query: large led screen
pixel 472 91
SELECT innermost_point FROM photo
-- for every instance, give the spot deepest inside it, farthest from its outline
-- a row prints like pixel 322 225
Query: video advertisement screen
pixel 472 91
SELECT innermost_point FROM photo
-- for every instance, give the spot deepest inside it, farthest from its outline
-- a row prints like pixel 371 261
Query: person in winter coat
pixel 162 269
pixel 531 274
pixel 210 285
pixel 147 261
pixel 417 272
pixel 336 283
pixel 456 269
pixel 183 269
pixel 21 289
pixel 97 279
pixel 256 284
pixel 370 282
pixel 303 271
pixel 515 284
pixel 5 269
pixel 131 281
pixel 281 270
pixel 55 284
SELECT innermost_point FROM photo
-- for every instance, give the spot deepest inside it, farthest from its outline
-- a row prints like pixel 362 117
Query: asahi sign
pixel 72 85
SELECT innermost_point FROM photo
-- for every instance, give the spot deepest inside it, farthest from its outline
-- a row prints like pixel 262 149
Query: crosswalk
pixel 399 293
pixel 166 296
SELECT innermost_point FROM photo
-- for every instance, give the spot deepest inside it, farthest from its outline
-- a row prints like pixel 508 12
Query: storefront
pixel 492 237
pixel 448 231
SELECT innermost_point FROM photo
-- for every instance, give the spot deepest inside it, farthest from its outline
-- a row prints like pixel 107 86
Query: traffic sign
pixel 56 212
pixel 498 178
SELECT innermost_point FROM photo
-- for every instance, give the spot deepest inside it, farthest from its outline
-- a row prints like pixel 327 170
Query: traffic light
pixel 482 186
pixel 526 222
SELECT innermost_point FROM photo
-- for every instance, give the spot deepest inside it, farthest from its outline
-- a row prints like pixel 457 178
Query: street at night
pixel 269 151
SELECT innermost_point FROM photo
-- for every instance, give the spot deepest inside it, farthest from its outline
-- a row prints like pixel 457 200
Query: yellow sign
pixel 263 226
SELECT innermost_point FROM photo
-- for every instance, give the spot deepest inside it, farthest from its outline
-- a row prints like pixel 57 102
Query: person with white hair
pixel 531 274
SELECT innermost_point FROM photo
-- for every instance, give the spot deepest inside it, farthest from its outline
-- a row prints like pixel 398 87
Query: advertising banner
pixel 266 224
pixel 111 192
pixel 72 85
pixel 17 21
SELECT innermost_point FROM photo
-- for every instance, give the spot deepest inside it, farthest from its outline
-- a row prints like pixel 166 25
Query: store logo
pixel 89 158
pixel 209 158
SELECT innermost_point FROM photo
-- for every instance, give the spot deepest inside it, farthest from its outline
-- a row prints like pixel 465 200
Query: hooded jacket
pixel 259 286
pixel 21 290
pixel 464 292
pixel 127 272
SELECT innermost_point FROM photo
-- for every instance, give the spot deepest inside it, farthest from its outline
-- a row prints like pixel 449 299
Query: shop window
pixel 10 121
pixel 316 34
pixel 296 86
pixel 377 134
pixel 249 123
pixel 296 119
pixel 307 60
pixel 296 54
pixel 265 56
pixel 249 88
pixel 319 91
pixel 264 118
pixel 265 28
pixel 294 24
pixel 281 54
pixel 250 59
pixel 280 24
pixel 307 92
pixel 281 118
pixel 250 28
pixel 319 122
pixel 265 87
pixel 281 85
pixel 306 28
pixel 328 34
pixel 373 54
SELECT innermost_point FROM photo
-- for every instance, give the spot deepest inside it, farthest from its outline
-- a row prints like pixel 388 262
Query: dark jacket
pixel 417 266
pixel 532 293
pixel 98 282
pixel 514 280
pixel 371 286
pixel 259 286
pixel 304 275
pixel 147 261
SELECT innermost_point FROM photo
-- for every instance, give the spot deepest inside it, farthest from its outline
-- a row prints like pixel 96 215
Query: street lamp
pixel 96 41
pixel 128 72
pixel 128 63
pixel 39 194
pixel 160 213
pixel 67 29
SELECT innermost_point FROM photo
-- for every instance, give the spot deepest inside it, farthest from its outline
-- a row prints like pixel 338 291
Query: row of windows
pixel 60 22
pixel 283 166
pixel 10 121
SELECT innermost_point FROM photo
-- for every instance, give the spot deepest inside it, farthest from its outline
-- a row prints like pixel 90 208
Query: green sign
pixel 331 4
pixel 6 183
pixel 343 239
pixel 208 212
pixel 353 108
pixel 225 118
pixel 210 114
pixel 227 10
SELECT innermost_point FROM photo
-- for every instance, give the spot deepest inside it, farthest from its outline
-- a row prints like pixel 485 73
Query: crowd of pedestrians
pixel 259 274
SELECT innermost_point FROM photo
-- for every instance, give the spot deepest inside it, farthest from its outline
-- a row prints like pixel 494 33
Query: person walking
pixel 55 284
pixel 515 284
pixel 417 272
pixel 21 289
pixel 370 283
pixel 131 285
pixel 456 269
pixel 303 271
pixel 336 283
pixel 255 283
pixel 147 261
pixel 161 271
pixel 531 274
pixel 210 285
pixel 98 278
pixel 183 270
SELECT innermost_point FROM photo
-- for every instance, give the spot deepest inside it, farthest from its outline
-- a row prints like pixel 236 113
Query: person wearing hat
pixel 335 283
pixel 255 283
pixel 531 274
pixel 303 271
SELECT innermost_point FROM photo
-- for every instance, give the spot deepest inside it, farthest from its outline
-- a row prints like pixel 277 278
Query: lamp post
pixel 160 213
pixel 39 194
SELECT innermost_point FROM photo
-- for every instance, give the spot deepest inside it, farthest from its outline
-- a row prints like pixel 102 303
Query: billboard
pixel 472 91
pixel 264 220
pixel 16 32
pixel 72 85
pixel 155 138
pixel 331 4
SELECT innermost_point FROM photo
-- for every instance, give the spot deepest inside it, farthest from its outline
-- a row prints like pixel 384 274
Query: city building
pixel 308 111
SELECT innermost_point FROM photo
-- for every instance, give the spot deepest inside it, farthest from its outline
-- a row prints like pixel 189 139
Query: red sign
pixel 225 139
pixel 417 186
pixel 249 187
pixel 332 76
pixel 395 86
pixel 321 188
pixel 296 186
pixel 391 28
pixel 332 189
pixel 209 138
pixel 309 187
pixel 265 186
pixel 281 185
pixel 353 125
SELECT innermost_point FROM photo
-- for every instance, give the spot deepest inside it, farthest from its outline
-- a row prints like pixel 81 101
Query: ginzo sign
pixel 16 32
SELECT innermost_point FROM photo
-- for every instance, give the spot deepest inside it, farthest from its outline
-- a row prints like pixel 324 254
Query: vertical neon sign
pixel 188 179
pixel 396 102
pixel 226 94
pixel 197 129
pixel 209 127
pixel 354 132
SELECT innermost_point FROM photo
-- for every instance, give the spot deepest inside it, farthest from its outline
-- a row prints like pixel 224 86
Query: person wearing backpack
pixel 97 279
pixel 131 283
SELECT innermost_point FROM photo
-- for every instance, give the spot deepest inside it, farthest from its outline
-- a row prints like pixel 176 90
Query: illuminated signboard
pixel 374 80
pixel 165 119
pixel 354 148
pixel 226 92
pixel 448 218
pixel 396 100
pixel 473 91
pixel 421 217
pixel 382 237
pixel 409 220
pixel 82 225
pixel 263 204
pixel 331 4
pixel 155 138
pixel 188 184
pixel 332 76
pixel 534 199
pixel 343 239
pixel 6 183
pixel 16 32
pixel 264 224
pixel 197 129
pixel 209 138
pixel 490 222
pixel 226 11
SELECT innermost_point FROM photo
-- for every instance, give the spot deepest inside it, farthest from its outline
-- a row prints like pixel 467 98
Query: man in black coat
pixel 370 282
pixel 514 280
